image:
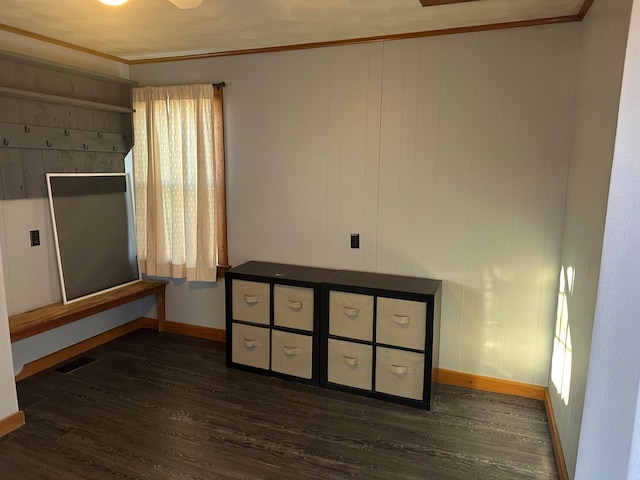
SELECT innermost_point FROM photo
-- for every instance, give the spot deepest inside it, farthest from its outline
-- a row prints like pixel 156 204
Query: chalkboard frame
pixel 94 232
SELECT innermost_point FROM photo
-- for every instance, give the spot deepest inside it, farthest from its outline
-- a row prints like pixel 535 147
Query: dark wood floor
pixel 162 406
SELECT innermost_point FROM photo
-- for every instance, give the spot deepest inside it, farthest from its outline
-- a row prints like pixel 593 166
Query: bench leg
pixel 160 308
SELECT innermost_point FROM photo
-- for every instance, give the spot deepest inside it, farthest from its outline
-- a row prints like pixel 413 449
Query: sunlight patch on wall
pixel 493 344
pixel 562 356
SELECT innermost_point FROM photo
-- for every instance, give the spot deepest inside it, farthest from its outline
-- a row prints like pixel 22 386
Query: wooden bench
pixel 33 322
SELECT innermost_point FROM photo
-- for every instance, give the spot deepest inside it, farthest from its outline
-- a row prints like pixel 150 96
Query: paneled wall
pixel 609 442
pixel 448 155
pixel 53 118
pixel 57 119
pixel 603 43
pixel 30 273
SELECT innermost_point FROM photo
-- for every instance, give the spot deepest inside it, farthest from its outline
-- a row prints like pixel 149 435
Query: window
pixel 178 170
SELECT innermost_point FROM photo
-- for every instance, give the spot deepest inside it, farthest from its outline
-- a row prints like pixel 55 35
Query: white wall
pixel 448 155
pixel 610 409
pixel 8 398
pixel 32 281
pixel 31 273
pixel 604 33
pixel 38 346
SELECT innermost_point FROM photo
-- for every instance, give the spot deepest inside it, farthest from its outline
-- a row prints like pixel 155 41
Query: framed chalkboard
pixel 94 232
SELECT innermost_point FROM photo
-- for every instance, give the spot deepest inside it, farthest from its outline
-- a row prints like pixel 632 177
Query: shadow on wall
pixel 562 354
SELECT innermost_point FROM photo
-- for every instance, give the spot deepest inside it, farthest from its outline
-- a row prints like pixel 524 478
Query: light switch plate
pixel 35 237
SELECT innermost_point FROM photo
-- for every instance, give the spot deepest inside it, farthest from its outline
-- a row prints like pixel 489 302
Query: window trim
pixel 220 180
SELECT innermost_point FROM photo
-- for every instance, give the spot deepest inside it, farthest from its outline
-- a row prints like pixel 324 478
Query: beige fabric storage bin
pixel 401 322
pixel 291 353
pixel 351 315
pixel 399 373
pixel 293 307
pixel 350 364
pixel 251 345
pixel 251 302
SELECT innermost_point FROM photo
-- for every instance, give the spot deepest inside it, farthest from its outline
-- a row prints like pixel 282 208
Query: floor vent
pixel 75 364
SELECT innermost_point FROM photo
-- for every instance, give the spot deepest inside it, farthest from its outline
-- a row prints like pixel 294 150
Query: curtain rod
pixel 219 85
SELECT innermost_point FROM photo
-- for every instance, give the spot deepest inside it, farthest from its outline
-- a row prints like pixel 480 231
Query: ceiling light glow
pixel 113 2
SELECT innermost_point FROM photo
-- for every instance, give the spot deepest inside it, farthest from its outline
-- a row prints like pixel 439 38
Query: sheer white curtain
pixel 174 175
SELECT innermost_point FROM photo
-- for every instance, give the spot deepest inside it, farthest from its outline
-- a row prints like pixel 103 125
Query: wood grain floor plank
pixel 164 406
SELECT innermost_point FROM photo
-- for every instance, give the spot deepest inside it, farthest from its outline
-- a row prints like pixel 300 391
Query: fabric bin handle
pixel 251 299
pixel 399 369
pixel 290 350
pixel 250 343
pixel 350 311
pixel 294 304
pixel 351 361
pixel 400 319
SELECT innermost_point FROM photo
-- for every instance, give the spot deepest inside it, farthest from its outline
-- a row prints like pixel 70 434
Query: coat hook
pixel 115 149
pixel 49 143
pixel 66 132
pixel 5 142
pixel 27 129
pixel 85 146
pixel 99 134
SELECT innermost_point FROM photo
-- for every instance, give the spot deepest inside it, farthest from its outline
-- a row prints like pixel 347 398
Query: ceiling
pixel 141 30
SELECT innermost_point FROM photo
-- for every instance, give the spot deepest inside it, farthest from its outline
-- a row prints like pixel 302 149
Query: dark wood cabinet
pixel 366 333
pixel 273 319
pixel 381 335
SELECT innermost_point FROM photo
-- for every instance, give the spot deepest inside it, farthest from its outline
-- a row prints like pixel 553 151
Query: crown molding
pixel 333 43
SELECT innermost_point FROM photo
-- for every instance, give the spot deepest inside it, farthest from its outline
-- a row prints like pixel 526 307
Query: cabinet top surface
pixel 283 271
pixel 381 281
pixel 377 281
